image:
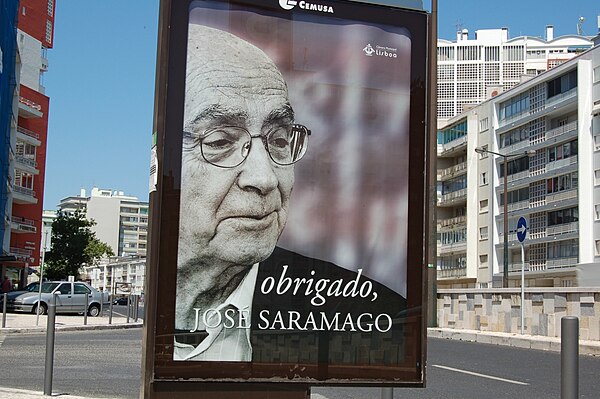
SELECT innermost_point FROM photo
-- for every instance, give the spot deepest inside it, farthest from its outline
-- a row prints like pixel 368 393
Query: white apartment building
pixel 471 70
pixel 107 275
pixel 547 129
pixel 121 220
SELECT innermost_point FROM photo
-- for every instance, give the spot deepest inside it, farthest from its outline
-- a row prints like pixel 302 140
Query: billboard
pixel 287 227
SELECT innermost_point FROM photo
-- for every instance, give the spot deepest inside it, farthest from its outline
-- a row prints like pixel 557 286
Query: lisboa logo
pixel 369 50
pixel 287 4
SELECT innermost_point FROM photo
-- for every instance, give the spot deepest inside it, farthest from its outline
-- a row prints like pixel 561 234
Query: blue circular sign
pixel 521 229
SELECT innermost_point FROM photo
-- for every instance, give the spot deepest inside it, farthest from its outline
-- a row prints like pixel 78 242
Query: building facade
pixel 24 171
pixel 118 271
pixel 121 220
pixel 471 70
pixel 547 130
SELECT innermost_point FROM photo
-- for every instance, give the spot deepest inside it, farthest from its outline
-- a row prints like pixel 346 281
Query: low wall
pixel 499 310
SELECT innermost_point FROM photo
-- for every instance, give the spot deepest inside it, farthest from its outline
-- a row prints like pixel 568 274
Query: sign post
pixel 521 234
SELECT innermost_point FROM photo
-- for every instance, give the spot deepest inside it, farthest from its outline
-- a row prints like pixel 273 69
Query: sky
pixel 102 69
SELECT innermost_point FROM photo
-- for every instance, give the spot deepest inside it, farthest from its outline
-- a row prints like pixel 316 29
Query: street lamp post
pixel 482 150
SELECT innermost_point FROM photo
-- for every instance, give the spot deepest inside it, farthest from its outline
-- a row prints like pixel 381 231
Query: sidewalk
pixel 515 340
pixel 26 323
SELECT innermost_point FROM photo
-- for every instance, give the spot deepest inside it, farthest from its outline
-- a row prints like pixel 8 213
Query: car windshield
pixel 49 287
pixel 33 287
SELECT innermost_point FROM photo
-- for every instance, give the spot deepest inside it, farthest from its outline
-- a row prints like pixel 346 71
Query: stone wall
pixel 499 310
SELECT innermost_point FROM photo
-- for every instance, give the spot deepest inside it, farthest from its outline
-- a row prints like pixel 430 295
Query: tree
pixel 73 244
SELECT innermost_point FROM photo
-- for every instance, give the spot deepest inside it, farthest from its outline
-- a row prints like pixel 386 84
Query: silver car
pixel 70 298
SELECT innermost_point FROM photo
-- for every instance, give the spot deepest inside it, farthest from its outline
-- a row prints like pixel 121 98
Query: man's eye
pixel 279 142
pixel 218 143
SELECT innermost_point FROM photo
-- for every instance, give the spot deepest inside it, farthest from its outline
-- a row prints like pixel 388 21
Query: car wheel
pixel 94 310
pixel 41 309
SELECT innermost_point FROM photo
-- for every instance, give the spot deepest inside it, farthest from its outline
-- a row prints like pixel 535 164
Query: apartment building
pixel 121 220
pixel 472 69
pixel 118 271
pixel 547 130
pixel 23 148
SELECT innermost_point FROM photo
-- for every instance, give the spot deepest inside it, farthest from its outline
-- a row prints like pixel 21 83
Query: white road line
pixel 491 377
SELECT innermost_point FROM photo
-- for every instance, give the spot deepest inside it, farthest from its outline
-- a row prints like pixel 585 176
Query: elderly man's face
pixel 235 215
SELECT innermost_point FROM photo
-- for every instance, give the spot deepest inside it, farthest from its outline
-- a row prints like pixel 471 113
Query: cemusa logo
pixel 289 4
pixel 369 50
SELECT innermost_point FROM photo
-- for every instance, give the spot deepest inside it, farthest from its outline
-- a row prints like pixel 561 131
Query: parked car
pixel 120 301
pixel 70 298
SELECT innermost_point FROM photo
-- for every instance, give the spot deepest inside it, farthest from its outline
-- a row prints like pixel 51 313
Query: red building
pixel 34 37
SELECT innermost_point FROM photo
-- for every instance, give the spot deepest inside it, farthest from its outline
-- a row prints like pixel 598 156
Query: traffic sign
pixel 521 229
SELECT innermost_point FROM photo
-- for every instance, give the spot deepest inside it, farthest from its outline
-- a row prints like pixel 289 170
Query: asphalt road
pixel 106 364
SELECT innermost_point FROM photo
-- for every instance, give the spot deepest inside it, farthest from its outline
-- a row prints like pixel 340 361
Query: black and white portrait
pixel 293 201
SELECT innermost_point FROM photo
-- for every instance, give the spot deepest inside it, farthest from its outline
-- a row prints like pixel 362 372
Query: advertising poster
pixel 300 195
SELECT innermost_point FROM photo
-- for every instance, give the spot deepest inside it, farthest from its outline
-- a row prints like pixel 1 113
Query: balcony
pixel 561 196
pixel 29 109
pixel 453 146
pixel 564 228
pixel 27 164
pixel 561 163
pixel 453 273
pixel 555 100
pixel 559 131
pixel 452 222
pixel 22 225
pixel 561 262
pixel 28 136
pixel 22 195
pixel 444 174
pixel 452 248
pixel 453 198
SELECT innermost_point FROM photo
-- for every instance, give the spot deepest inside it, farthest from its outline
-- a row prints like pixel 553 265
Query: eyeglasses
pixel 229 146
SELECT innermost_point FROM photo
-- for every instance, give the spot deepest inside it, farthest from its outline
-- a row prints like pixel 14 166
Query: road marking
pixel 491 377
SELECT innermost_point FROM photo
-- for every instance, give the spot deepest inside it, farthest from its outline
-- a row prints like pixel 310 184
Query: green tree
pixel 73 244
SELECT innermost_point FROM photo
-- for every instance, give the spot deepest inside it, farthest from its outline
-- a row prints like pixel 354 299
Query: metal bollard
pixel 85 311
pixel 50 330
pixel 387 393
pixel 136 309
pixel 569 357
pixel 4 299
pixel 128 307
pixel 110 308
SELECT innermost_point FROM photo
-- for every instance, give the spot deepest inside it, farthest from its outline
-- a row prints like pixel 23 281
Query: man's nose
pixel 258 170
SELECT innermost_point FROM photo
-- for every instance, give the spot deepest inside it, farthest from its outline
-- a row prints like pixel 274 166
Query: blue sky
pixel 102 68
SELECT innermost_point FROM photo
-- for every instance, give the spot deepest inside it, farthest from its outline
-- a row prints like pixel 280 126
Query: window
pixel 516 105
pixel 484 124
pixel 596 142
pixel 515 196
pixel 452 133
pixel 597 246
pixel 597 212
pixel 563 249
pixel 483 233
pixel 597 74
pixel 562 151
pixel 484 154
pixel 563 216
pixel 597 177
pixel 483 179
pixel 483 260
pixel 483 206
pixel 562 84
pixel 562 183
pixel 50 7
pixel 64 289
pixel 81 289
pixel 515 166
pixel 514 136
pixel 49 31
pixel 23 11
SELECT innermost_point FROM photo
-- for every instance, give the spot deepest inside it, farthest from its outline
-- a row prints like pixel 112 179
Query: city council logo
pixel 287 4
pixel 369 50
pixel 380 51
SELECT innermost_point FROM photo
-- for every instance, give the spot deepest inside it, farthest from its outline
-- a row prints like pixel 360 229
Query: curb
pixel 28 330
pixel 27 394
pixel 538 342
